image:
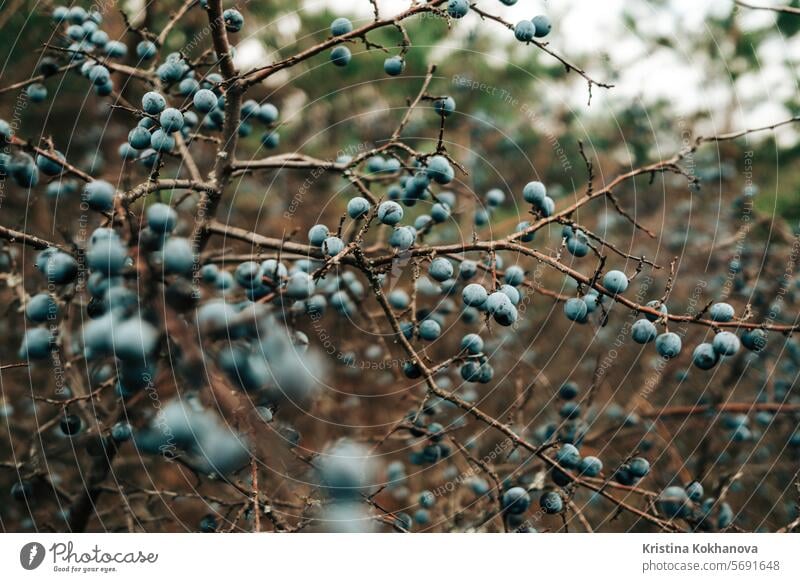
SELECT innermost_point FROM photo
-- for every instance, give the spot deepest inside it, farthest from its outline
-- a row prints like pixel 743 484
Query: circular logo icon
pixel 31 555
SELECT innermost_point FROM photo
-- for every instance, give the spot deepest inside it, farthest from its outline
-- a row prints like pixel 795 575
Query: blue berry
pixel 695 491
pixel 134 340
pixel 36 344
pixel 161 218
pixel 99 38
pixel 250 108
pixel 341 26
pixel 390 213
pixel 705 357
pixel 551 502
pixel 495 197
pixel 575 309
pixel 523 226
pixel 60 14
pixel 99 75
pixel 71 424
pixel 170 72
pixel 402 237
pixel 590 466
pixel 300 286
pixel 171 120
pixel 568 456
pixel 139 138
pixel 99 195
pixel 593 300
pixel 668 345
pixel 317 234
pixel 209 522
pixel 505 314
pixel 578 245
pixel 341 56
pixel 153 103
pixel 458 8
pixel 161 141
pixel 524 31
pixel 512 293
pixel 474 295
pixel 721 312
pixel 48 166
pixel 422 516
pixel 375 164
pixel 76 32
pixel 394 66
pixel 233 20
pixel 116 49
pixel 41 307
pixel 440 170
pixel 178 256
pixel 725 516
pixel 495 301
pixel 542 24
pixel 445 106
pixel 673 502
pixel 472 343
pixel 441 269
pixel 77 15
pixel 107 256
pixel 205 100
pixel 146 50
pixel 121 432
pixel 467 270
pixel 643 331
pixel 429 330
pixel 658 306
pixel 427 499
pixel 36 92
pixel 248 274
pixel 23 170
pixel 148 158
pixel 274 271
pixel 358 207
pixel 270 139
pixel 209 273
pixel 615 281
pixel 623 476
pixel 639 467
pixel 6 132
pixel 548 207
pixel 570 410
pixel 333 246
pixel 568 390
pixel 516 500
pixel 190 120
pixel 726 343
pixel 105 89
pixel 754 340
pixel 479 486
pixel 267 113
pixel 62 188
pixel 399 299
pixel 534 193
pixel 60 268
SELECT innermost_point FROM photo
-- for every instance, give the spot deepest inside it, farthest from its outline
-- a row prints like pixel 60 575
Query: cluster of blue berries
pixel 537 27
pixel 704 514
pixel 90 45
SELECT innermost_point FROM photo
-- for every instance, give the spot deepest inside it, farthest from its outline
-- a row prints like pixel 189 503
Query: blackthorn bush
pixel 292 291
